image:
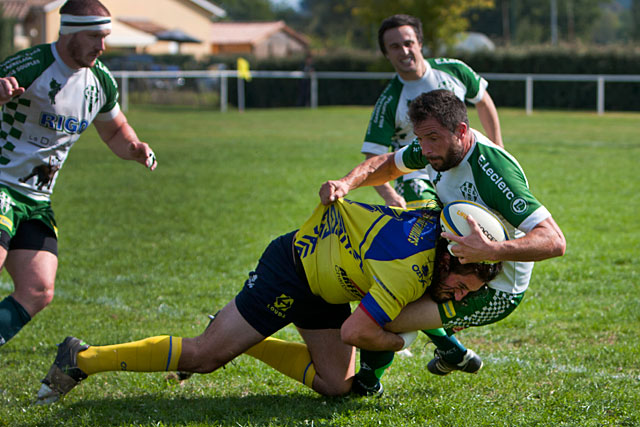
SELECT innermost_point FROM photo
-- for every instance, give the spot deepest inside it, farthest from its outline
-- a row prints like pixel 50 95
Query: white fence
pixel 223 77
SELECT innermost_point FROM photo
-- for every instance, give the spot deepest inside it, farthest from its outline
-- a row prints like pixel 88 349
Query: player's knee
pixel 336 388
pixel 35 295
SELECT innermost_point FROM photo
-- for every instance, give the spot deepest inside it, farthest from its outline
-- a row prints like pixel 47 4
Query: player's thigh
pixel 3 256
pixel 33 273
pixel 333 360
pixel 32 259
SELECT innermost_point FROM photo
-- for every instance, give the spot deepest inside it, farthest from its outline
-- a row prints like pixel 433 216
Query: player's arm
pixel 543 241
pixel 9 88
pixel 417 315
pixel 488 115
pixel 361 331
pixel 387 192
pixel 123 141
pixel 376 170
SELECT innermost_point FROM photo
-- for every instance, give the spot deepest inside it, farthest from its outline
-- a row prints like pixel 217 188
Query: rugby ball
pixel 453 219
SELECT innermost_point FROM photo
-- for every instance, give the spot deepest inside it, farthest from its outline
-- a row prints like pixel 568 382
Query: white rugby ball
pixel 453 219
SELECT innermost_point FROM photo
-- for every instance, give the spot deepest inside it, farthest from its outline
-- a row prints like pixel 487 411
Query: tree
pixel 442 20
pixel 528 21
pixel 247 10
pixel 635 19
pixel 331 23
pixel 6 35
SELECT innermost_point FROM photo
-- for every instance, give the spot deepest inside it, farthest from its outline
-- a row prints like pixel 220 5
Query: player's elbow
pixel 351 336
pixel 560 245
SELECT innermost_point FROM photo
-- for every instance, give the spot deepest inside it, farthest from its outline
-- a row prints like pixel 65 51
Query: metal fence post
pixel 125 92
pixel 240 93
pixel 600 95
pixel 529 95
pixel 224 93
pixel 314 90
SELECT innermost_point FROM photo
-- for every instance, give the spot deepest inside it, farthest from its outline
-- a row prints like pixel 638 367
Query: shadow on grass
pixel 230 410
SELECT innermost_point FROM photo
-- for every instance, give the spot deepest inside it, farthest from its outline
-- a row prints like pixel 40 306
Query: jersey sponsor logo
pixel 519 206
pixel 91 94
pixel 469 191
pixel 251 281
pixel 6 222
pixel 55 88
pixel 60 123
pixel 415 234
pixel 20 62
pixel 281 305
pixel 423 274
pixel 6 203
pixel 348 284
pixel 44 174
pixel 41 141
pixel 449 309
pixel 485 165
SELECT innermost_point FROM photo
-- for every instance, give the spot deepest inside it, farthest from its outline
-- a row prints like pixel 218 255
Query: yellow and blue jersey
pixel 381 255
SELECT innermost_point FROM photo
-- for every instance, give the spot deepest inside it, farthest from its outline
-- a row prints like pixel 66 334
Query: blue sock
pixel 13 317
pixel 451 349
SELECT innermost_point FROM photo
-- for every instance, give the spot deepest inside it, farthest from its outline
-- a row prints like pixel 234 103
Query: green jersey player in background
pixel 462 165
pixel 49 95
pixel 400 40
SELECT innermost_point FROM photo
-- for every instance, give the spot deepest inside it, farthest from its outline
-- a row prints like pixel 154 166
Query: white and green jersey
pixel 390 127
pixel 490 176
pixel 38 128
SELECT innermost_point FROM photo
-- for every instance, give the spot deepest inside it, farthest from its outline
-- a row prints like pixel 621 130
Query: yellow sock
pixel 290 358
pixel 148 355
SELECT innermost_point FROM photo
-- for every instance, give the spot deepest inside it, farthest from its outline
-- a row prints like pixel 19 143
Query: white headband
pixel 70 24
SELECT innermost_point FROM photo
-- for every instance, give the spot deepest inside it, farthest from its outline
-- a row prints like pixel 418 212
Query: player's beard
pixel 437 292
pixel 80 54
pixel 452 158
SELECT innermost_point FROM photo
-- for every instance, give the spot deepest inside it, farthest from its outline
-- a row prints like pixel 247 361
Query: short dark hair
pixel 484 271
pixel 442 105
pixel 396 21
pixel 84 8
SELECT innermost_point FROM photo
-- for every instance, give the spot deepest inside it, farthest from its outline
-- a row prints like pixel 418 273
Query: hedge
pixel 262 92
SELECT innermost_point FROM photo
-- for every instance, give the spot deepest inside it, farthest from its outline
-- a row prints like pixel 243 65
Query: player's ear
pixel 462 130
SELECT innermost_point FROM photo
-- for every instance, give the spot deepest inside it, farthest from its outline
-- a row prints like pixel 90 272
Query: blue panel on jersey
pixel 371 306
pixel 400 239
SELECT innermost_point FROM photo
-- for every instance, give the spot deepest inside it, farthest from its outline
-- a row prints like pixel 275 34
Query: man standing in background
pixel 49 95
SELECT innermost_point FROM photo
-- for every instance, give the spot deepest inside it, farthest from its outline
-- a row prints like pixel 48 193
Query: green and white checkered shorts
pixel 477 309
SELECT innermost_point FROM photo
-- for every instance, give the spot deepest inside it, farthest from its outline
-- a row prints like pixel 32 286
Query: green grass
pixel 153 253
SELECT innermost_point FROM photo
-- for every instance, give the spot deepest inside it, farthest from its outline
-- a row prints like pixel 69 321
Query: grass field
pixel 153 253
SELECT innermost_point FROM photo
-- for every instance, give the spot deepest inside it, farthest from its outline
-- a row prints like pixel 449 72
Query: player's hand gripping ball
pixel 453 219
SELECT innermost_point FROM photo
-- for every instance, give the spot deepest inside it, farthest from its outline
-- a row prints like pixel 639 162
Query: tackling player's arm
pixel 361 331
pixel 544 241
pixel 386 191
pixel 488 115
pixel 376 170
pixel 123 141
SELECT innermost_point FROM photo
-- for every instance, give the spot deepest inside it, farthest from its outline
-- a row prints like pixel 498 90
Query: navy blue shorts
pixel 277 293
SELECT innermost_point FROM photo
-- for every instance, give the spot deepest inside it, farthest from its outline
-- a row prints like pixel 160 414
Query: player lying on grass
pixel 347 251
pixel 462 165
